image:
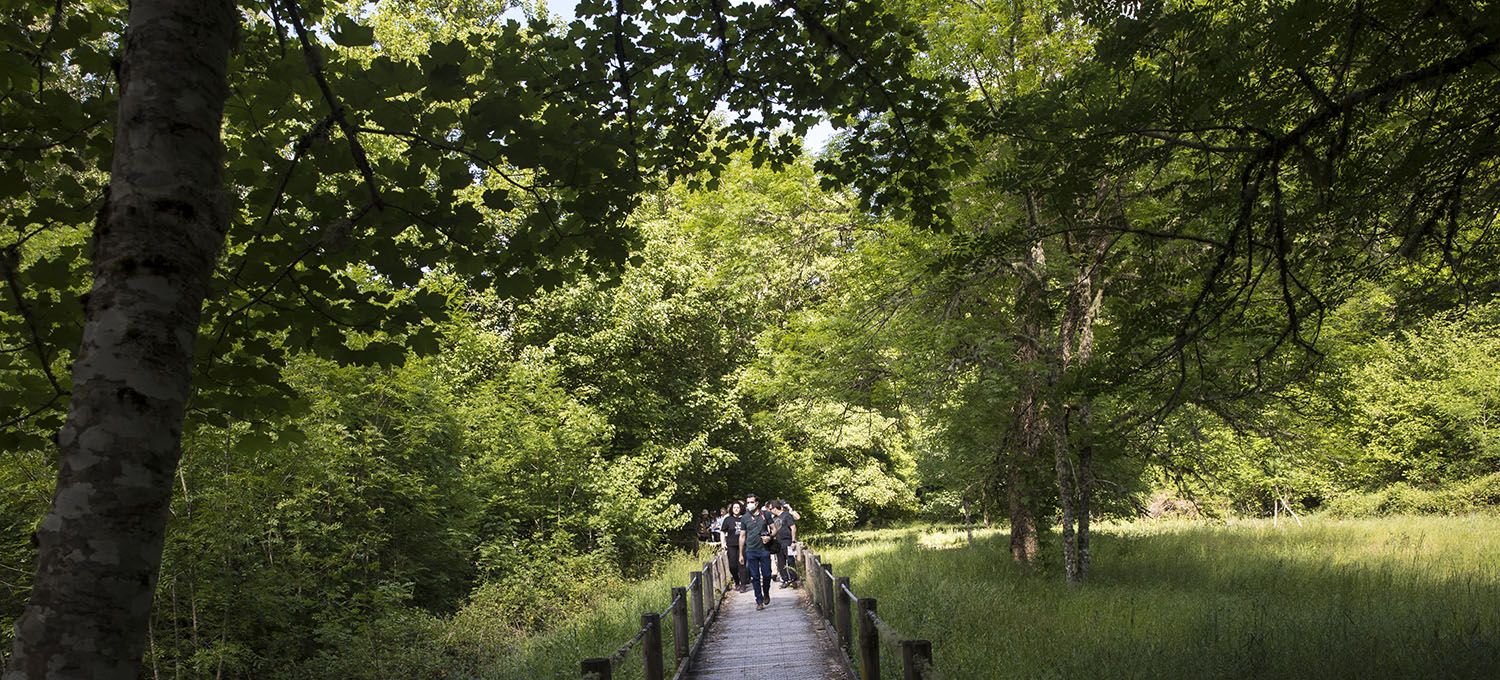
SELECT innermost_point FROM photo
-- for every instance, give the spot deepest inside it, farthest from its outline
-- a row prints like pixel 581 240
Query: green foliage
pixel 418 510
pixel 370 146
pixel 1397 421
pixel 27 477
pixel 467 487
pixel 1423 402
pixel 477 641
pixel 586 287
pixel 1481 494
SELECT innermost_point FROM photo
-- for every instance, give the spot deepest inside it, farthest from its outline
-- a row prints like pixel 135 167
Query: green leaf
pixel 498 199
pixel 349 34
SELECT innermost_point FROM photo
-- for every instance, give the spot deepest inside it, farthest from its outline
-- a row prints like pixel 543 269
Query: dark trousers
pixel 736 569
pixel 786 576
pixel 759 564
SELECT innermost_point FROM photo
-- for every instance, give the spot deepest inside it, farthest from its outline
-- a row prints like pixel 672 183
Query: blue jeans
pixel 759 564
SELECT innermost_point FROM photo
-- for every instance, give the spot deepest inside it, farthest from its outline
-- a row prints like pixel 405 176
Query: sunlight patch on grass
pixel 948 540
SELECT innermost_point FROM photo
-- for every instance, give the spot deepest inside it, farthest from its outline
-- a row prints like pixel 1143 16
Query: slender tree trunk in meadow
pixel 1075 347
pixel 1061 413
pixel 1085 486
pixel 1085 412
pixel 1029 420
pixel 1063 466
pixel 155 246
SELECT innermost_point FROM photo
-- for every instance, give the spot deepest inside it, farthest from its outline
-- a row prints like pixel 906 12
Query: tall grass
pixel 1402 597
pixel 476 645
pixel 597 630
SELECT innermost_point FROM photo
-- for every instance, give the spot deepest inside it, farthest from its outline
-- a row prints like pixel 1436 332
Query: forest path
pixel 782 642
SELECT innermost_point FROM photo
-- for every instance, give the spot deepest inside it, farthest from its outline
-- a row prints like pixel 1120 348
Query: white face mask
pixel 752 507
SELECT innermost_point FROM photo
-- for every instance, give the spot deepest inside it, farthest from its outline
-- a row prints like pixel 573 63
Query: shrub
pixel 1475 495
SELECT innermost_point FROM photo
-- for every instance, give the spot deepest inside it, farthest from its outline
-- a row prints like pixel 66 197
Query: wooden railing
pixel 844 612
pixel 692 608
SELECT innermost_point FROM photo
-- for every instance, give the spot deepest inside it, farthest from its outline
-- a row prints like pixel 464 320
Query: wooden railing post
pixel 680 622
pixel 916 656
pixel 812 581
pixel 815 580
pixel 825 581
pixel 695 585
pixel 869 641
pixel 651 646
pixel 802 561
pixel 710 595
pixel 841 610
pixel 596 669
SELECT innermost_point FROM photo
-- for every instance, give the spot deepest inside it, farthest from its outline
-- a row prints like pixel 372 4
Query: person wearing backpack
pixel 784 535
pixel 755 534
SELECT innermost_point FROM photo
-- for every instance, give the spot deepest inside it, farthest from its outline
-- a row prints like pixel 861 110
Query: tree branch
pixel 314 58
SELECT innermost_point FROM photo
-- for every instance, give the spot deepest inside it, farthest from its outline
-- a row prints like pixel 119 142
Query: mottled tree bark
pixel 1063 467
pixel 154 251
pixel 1075 346
pixel 1029 421
pixel 1085 411
pixel 1023 538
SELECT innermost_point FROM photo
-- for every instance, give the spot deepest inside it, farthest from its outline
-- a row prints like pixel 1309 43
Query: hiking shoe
pixel 759 606
pixel 785 584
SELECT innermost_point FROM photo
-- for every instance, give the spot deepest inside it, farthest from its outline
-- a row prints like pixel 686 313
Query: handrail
pixel 835 602
pixel 619 655
pixel 704 587
pixel 835 598
pixel 672 605
pixel 888 634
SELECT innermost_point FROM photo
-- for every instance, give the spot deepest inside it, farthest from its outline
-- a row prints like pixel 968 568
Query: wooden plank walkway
pixel 783 642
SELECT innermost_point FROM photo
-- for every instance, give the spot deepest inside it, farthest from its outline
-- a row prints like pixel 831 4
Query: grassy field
pixel 1415 597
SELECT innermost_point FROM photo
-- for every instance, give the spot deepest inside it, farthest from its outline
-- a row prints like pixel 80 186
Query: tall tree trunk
pixel 1086 434
pixel 963 506
pixel 1085 485
pixel 1075 346
pixel 154 251
pixel 1063 466
pixel 1023 538
pixel 1062 456
pixel 1029 420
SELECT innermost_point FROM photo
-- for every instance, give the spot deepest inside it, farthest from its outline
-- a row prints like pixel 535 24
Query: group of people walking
pixel 755 537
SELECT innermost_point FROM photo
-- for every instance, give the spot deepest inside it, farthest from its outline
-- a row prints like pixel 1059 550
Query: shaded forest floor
pixel 1405 597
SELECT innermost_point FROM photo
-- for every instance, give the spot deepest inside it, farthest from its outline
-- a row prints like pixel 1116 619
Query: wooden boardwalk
pixel 792 639
pixel 783 642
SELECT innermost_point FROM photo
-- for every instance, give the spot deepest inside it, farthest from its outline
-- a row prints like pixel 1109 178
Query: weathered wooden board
pixel 781 643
